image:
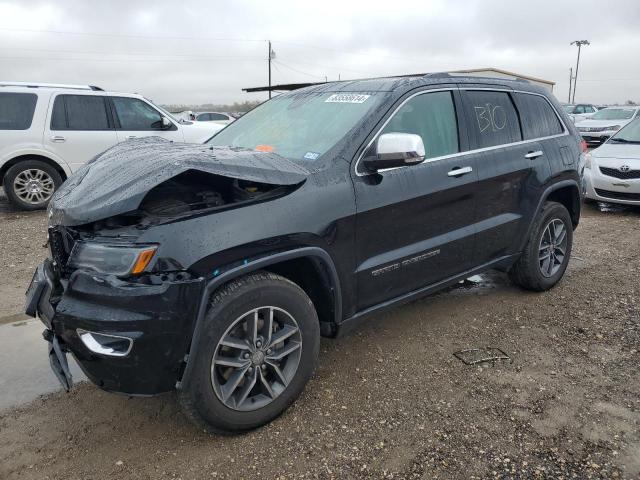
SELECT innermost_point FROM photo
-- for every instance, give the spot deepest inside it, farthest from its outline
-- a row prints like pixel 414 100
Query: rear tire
pixel 546 255
pixel 30 184
pixel 227 350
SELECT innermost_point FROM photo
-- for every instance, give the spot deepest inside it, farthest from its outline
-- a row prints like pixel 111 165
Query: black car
pixel 214 269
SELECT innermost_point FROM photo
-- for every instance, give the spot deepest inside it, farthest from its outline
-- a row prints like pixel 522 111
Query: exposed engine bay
pixel 193 191
pixel 190 193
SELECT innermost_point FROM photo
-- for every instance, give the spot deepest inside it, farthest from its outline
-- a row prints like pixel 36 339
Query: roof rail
pixel 50 85
pixel 437 75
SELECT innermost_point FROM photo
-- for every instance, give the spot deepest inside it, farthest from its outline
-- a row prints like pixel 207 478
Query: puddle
pixel 477 284
pixel 616 207
pixel 25 364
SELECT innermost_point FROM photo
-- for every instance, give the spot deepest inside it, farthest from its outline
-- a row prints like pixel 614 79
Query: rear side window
pixel 217 116
pixel 537 116
pixel 79 112
pixel 433 117
pixel 16 110
pixel 493 118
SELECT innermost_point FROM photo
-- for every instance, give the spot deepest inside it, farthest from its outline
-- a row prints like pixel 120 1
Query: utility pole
pixel 570 80
pixel 269 60
pixel 579 44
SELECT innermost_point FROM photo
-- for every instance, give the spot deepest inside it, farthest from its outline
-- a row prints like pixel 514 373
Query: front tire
pixel 546 256
pixel 258 349
pixel 30 184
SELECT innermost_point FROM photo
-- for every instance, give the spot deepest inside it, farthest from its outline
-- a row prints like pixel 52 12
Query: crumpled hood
pixel 117 180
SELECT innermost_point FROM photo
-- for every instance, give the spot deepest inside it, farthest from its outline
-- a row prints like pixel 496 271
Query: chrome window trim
pixel 468 152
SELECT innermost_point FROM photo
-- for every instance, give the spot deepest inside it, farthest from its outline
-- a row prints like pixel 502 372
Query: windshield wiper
pixel 624 140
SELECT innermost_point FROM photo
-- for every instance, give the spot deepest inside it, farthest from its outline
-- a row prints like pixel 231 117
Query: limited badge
pixel 347 98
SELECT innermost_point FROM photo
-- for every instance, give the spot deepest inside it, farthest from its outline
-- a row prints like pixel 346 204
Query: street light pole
pixel 570 80
pixel 579 44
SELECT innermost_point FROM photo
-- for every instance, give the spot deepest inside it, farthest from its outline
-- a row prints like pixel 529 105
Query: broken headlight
pixel 117 260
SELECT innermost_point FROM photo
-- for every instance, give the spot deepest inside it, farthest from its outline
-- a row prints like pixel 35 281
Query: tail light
pixel 583 146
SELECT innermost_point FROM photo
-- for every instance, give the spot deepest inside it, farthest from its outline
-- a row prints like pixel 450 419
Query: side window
pixel 16 110
pixel 203 117
pixel 86 112
pixel 58 115
pixel 589 109
pixel 217 116
pixel 493 117
pixel 537 116
pixel 134 114
pixel 580 109
pixel 433 117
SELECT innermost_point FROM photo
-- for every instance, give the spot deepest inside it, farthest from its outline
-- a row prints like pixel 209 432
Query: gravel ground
pixel 22 239
pixel 390 400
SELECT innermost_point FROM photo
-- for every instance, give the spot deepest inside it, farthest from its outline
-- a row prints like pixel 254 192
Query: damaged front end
pixel 112 294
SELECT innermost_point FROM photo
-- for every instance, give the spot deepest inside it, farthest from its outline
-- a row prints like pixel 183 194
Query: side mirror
pixel 165 123
pixel 394 150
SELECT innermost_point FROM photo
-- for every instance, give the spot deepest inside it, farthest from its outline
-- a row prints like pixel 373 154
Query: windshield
pixel 629 134
pixel 614 114
pixel 299 127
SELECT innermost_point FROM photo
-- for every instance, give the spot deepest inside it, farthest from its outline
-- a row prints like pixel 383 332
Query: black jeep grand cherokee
pixel 214 269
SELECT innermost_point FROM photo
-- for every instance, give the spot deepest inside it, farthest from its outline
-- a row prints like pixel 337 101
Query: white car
pixel 215 117
pixel 612 171
pixel 49 131
pixel 605 123
pixel 580 112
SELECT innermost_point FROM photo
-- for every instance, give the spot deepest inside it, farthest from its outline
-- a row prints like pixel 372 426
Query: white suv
pixel 49 131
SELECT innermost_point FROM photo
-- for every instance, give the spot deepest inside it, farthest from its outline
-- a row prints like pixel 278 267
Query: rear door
pixel 414 225
pixel 136 118
pixel 79 127
pixel 510 172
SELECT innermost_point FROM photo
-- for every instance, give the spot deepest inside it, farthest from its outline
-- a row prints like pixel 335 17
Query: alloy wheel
pixel 256 358
pixel 553 247
pixel 33 186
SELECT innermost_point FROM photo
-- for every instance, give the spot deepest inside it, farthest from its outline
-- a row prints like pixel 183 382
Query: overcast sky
pixel 207 51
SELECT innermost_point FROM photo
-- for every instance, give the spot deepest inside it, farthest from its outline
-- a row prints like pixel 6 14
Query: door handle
pixel 58 139
pixel 129 137
pixel 532 155
pixel 459 171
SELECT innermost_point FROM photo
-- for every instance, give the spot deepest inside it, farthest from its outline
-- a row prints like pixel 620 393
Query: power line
pixel 122 35
pixel 95 52
pixel 221 39
pixel 359 72
pixel 296 70
pixel 116 60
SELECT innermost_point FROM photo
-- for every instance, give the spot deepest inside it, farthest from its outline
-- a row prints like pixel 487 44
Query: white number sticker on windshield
pixel 347 98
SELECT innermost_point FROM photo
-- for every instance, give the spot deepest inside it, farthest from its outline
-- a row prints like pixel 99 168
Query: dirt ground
pixel 390 400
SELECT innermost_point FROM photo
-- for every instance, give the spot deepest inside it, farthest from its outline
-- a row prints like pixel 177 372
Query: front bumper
pixel 603 188
pixel 159 319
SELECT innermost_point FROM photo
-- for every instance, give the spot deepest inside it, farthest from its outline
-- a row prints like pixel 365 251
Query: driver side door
pixel 415 224
pixel 136 118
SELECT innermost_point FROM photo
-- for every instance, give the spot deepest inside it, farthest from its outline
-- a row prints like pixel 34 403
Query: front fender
pixel 251 266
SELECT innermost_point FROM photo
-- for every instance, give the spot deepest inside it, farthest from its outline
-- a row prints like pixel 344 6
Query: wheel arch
pixel 569 196
pixel 22 158
pixel 321 283
pixel 566 192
